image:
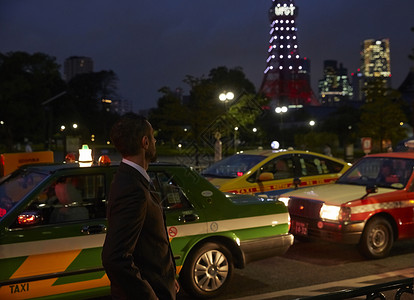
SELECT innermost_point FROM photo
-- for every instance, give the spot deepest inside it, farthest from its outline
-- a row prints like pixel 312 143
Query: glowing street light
pixel 224 97
pixel 281 110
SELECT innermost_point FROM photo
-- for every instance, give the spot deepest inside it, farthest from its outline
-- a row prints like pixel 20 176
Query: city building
pixel 334 88
pixel 358 81
pixel 376 63
pixel 75 65
pixel 286 80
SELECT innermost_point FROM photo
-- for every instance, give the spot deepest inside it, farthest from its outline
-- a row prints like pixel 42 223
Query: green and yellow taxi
pixel 53 225
pixel 273 172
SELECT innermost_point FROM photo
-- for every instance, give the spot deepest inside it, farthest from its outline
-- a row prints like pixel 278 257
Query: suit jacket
pixel 136 254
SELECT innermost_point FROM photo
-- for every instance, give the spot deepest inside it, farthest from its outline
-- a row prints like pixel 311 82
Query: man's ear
pixel 145 142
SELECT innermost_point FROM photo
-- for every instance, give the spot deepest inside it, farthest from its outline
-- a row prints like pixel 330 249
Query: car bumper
pixel 266 247
pixel 335 232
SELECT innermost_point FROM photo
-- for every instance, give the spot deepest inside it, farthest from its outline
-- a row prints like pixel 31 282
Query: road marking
pixel 313 290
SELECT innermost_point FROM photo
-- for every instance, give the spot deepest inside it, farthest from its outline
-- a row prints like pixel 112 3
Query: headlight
pixel 336 213
pixel 285 200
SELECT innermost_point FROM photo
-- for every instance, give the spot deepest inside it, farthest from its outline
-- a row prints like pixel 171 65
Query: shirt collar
pixel 138 168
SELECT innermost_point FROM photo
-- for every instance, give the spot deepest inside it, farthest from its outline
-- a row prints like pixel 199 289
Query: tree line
pixel 30 108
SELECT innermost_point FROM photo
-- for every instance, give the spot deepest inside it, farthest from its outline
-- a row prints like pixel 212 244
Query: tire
pixel 377 239
pixel 207 271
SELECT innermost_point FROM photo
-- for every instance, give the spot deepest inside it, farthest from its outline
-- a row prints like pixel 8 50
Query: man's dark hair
pixel 127 133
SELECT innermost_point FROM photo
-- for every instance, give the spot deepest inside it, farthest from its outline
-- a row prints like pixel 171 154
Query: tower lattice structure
pixel 286 77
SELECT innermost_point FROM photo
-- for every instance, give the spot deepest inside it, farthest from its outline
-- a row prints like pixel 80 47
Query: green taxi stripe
pixel 87 258
pixel 97 240
pixel 10 266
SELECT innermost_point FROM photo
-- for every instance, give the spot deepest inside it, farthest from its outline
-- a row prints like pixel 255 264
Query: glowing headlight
pixel 330 212
pixel 285 200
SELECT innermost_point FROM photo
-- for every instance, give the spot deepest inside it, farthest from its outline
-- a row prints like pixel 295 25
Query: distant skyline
pixel 151 44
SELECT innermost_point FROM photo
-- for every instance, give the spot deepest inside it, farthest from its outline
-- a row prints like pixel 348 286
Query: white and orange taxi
pixel 371 205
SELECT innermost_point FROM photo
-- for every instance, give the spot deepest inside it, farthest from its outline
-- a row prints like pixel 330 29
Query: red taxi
pixel 371 205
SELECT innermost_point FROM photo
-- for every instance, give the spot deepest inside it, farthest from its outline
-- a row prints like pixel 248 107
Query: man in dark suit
pixel 136 255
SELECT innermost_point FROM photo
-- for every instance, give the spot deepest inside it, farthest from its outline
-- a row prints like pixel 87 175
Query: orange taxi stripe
pixel 46 263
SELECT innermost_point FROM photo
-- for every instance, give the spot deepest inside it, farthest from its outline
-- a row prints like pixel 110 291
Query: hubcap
pixel 378 239
pixel 211 270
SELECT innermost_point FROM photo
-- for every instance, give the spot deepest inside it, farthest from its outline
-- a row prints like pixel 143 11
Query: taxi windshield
pixel 15 187
pixel 380 171
pixel 233 166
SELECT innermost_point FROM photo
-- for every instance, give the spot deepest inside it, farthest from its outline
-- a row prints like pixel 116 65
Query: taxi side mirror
pixel 29 218
pixel 370 189
pixel 266 176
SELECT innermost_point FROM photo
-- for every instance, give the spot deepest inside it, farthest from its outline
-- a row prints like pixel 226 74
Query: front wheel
pixel 207 271
pixel 377 239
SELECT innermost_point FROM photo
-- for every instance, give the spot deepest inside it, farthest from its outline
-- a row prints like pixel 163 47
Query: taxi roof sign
pixel 11 161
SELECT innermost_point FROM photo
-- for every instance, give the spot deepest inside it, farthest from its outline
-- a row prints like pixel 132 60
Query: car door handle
pixel 188 218
pixel 93 229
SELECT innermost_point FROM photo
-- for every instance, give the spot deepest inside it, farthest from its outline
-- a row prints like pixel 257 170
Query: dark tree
pixel 26 81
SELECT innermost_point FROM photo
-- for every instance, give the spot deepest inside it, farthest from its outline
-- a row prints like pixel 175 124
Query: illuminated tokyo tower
pixel 286 78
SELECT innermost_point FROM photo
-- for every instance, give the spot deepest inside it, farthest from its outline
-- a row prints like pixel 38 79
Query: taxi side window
pixel 281 168
pixel 170 193
pixel 69 198
pixel 312 165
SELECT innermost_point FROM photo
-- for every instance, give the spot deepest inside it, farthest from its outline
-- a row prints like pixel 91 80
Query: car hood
pixel 335 194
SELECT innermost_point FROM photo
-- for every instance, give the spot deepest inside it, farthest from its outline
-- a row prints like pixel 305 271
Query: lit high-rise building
pixel 375 66
pixel 286 81
pixel 75 65
pixel 375 58
pixel 334 88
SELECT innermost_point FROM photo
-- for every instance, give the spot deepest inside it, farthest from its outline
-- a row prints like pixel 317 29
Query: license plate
pixel 300 228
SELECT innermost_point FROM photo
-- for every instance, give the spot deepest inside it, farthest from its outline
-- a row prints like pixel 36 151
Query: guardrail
pixel 372 292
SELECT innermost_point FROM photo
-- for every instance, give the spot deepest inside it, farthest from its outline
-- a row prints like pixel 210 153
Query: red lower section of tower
pixel 294 91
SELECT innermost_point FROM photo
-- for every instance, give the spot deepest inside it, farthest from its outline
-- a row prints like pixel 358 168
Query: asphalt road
pixel 315 268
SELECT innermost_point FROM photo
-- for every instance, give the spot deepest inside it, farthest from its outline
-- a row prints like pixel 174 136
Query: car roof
pixel 409 155
pixel 53 167
pixel 269 152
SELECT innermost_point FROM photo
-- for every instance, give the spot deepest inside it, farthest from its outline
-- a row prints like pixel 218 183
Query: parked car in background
pixel 371 205
pixel 273 172
pixel 52 228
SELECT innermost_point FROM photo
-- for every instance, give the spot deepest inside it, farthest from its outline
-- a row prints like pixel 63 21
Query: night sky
pixel 150 44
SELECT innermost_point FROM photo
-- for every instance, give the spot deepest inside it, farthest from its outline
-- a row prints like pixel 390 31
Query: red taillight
pixel 239 174
pixel 70 158
pixel 104 160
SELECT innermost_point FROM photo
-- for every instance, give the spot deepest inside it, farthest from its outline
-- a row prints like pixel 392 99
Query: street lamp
pixel 235 139
pixel 281 110
pixel 226 96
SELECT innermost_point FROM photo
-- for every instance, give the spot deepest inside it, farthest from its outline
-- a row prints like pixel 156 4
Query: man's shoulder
pixel 126 173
